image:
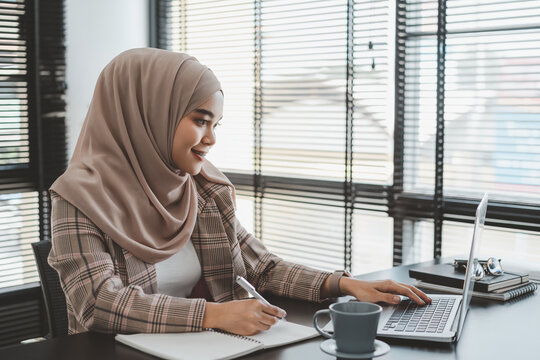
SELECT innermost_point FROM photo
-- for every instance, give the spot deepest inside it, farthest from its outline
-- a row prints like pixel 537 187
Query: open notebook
pixel 214 345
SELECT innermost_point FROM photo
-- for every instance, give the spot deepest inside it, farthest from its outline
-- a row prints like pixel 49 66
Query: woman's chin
pixel 194 171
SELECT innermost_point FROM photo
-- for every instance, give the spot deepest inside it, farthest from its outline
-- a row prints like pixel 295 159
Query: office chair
pixel 55 301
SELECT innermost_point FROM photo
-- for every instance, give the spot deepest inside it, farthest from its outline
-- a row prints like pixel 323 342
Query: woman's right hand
pixel 242 317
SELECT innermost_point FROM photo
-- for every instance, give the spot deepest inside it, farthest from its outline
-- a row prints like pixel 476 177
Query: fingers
pixel 245 317
pixel 420 294
pixel 410 291
pixel 390 298
pixel 268 315
pixel 273 310
pixel 267 320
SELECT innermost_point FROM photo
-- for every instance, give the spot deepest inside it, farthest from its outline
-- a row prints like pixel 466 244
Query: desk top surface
pixel 493 330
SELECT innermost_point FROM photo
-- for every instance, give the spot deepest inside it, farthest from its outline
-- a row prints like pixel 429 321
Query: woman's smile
pixel 199 154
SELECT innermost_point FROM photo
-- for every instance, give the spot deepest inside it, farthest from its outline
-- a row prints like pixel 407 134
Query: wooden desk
pixel 492 330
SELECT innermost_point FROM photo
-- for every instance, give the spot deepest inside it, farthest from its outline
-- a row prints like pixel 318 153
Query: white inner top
pixel 177 275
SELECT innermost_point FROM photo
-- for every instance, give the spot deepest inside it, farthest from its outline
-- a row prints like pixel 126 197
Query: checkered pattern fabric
pixel 109 290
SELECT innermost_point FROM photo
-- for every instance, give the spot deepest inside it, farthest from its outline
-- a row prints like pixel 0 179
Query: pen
pixel 251 290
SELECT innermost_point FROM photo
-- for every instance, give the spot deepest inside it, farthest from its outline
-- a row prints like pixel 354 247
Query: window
pixel 471 76
pixel 32 130
pixel 365 130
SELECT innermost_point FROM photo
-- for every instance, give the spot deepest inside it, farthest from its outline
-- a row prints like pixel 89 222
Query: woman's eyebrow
pixel 204 112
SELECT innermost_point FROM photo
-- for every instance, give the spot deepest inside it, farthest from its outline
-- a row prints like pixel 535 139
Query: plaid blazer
pixel 109 290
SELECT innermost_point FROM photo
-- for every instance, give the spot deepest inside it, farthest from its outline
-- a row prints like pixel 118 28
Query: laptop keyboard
pixel 409 317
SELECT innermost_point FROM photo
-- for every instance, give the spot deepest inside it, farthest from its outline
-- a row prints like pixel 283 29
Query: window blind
pixel 18 211
pixel 491 99
pixel 343 119
pixel 32 129
pixel 489 110
pixel 372 241
pixel 495 241
pixel 373 124
pixel 303 83
pixel 304 231
pixel 14 129
pixel 286 62
pixel 420 66
pixel 19 224
pixel 220 35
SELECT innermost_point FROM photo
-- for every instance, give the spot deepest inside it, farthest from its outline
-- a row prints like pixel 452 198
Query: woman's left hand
pixel 384 290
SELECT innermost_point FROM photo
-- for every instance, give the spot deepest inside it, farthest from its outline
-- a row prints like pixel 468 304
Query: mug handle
pixel 316 324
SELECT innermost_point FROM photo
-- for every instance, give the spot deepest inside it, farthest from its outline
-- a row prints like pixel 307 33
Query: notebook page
pixel 284 332
pixel 206 345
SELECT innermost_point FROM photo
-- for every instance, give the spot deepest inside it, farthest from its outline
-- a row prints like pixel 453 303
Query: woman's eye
pixel 217 124
pixel 201 122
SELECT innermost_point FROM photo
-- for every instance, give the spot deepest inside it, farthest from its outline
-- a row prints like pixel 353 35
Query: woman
pixel 145 238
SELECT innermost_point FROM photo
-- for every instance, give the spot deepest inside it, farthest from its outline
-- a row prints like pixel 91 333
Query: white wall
pixel 97 31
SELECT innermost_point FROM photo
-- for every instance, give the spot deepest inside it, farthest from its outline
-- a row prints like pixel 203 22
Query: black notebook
pixel 447 275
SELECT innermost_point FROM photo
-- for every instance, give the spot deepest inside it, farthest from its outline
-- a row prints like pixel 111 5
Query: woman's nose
pixel 209 138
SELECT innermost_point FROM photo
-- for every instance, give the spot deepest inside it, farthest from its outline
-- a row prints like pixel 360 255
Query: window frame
pixel 390 199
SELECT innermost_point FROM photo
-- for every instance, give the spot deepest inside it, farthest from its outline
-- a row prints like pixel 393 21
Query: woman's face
pixel 195 134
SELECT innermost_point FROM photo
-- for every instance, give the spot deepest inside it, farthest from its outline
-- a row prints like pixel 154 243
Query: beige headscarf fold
pixel 122 175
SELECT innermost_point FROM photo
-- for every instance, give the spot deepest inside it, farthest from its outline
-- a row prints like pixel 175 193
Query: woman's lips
pixel 198 154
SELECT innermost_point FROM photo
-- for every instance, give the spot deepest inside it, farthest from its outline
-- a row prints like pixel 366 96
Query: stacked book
pixel 447 279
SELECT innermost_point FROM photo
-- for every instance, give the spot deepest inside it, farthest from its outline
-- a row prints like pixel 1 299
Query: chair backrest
pixel 55 301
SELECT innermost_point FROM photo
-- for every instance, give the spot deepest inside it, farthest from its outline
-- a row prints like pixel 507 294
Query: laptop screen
pixel 468 284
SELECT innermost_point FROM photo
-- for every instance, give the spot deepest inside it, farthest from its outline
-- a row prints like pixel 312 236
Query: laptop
pixel 443 319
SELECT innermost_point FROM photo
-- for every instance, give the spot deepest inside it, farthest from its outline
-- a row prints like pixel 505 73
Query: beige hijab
pixel 122 175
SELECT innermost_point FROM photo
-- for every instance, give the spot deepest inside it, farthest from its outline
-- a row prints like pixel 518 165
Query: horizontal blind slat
pixel 491 103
